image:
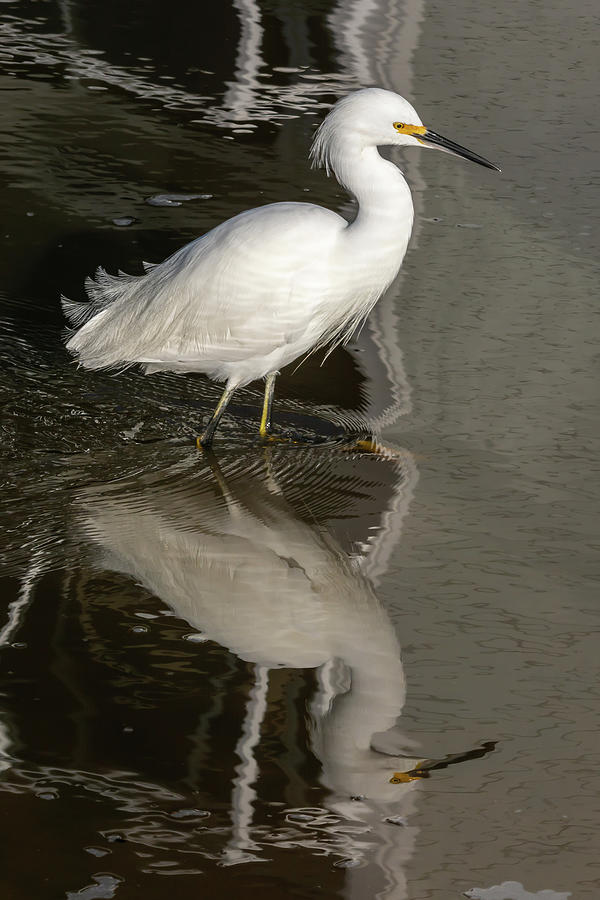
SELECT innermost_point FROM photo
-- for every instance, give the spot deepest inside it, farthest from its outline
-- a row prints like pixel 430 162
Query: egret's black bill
pixel 430 137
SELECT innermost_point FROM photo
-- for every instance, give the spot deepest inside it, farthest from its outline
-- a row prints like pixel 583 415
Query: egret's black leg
pixel 205 439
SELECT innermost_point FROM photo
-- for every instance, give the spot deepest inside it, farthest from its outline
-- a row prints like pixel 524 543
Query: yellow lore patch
pixel 403 128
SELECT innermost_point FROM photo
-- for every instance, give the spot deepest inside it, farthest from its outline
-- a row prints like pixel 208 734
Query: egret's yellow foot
pixel 370 445
pixel 275 439
pixel 367 446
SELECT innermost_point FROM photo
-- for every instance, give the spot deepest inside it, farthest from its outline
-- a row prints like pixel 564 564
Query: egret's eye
pixel 409 129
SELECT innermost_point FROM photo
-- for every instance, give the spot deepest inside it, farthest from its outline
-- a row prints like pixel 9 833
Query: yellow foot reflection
pixel 413 775
pixel 423 768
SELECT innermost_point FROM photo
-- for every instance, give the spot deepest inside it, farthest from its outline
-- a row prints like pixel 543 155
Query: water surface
pixel 303 670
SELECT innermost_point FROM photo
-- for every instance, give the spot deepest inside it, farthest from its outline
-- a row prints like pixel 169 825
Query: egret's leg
pixel 220 479
pixel 205 439
pixel 265 422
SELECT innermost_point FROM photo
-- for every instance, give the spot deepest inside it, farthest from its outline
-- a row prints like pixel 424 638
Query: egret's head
pixel 374 117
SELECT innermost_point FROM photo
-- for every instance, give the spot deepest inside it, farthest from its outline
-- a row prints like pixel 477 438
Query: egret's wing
pixel 246 287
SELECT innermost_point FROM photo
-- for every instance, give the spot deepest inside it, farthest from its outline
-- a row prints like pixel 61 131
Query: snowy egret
pixel 272 283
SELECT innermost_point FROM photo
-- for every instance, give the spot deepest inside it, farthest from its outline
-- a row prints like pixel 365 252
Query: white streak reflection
pixel 244 794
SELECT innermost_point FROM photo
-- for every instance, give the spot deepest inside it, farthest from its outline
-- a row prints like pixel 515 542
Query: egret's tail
pixel 103 335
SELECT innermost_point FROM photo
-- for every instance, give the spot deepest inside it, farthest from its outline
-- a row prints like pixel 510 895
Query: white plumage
pixel 272 283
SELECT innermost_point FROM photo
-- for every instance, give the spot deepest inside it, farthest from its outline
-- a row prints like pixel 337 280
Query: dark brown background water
pixel 136 761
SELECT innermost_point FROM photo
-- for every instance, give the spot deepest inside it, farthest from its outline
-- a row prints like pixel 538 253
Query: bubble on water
pixel 105 887
pixel 299 817
pixel 47 794
pixel 190 813
pixel 174 199
pixel 513 890
pixel 97 851
pixel 131 433
pixel 195 637
pixel 140 628
pixel 396 820
pixel 123 221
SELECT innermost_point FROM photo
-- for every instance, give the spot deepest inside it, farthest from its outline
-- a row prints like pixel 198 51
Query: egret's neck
pixel 384 199
pixel 368 646
pixel 376 697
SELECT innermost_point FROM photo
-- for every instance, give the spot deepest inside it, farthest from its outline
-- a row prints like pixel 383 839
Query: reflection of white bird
pixel 275 282
pixel 229 554
pixel 245 570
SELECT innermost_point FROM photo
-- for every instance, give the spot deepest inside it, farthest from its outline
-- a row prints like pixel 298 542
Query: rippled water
pixel 303 670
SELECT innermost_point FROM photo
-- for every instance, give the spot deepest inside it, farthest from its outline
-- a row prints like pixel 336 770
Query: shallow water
pixel 303 670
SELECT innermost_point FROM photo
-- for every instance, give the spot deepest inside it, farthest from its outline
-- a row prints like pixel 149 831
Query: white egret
pixel 272 283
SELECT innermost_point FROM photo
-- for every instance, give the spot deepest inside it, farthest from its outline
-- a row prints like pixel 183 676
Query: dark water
pixel 302 670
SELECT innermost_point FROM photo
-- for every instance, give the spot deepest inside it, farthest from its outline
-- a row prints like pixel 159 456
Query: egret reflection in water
pixel 244 558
